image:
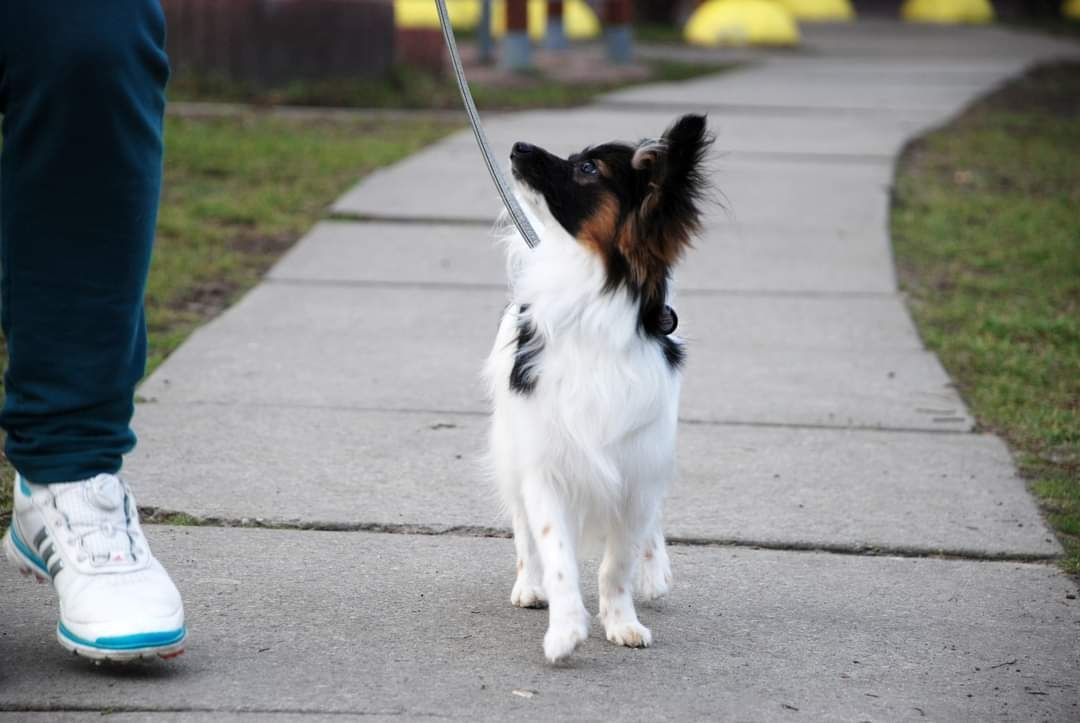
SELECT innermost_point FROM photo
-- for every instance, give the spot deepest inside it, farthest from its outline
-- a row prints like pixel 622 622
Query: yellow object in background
pixel 820 10
pixel 1071 9
pixel 948 11
pixel 579 20
pixel 464 14
pixel 741 22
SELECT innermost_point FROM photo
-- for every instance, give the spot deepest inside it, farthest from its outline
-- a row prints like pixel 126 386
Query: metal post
pixel 516 46
pixel 555 33
pixel 484 39
pixel 618 31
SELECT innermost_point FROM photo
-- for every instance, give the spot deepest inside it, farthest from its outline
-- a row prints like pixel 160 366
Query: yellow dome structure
pixel 464 14
pixel 948 11
pixel 820 10
pixel 1071 9
pixel 741 22
pixel 579 20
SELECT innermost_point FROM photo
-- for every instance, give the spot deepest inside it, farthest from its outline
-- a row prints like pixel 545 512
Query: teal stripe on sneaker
pixel 23 487
pixel 26 552
pixel 128 642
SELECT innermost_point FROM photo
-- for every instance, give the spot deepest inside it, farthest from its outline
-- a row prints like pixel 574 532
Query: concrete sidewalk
pixel 846 546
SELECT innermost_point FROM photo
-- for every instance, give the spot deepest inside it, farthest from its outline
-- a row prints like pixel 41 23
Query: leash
pixel 501 184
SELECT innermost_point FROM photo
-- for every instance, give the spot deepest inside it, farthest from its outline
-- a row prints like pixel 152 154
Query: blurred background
pixel 388 53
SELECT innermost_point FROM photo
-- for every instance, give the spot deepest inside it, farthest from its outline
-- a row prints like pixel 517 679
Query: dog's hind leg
pixel 617 612
pixel 528 589
pixel 556 540
pixel 654 568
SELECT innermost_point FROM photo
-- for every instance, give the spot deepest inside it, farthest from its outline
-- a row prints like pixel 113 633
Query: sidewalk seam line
pixel 355 217
pixel 476 413
pixel 482 286
pixel 126 709
pixel 155 515
pixel 754 109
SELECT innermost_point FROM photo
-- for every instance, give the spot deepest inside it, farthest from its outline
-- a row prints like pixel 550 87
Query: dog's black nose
pixel 521 149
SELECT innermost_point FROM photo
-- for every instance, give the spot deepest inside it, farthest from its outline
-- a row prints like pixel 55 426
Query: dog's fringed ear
pixel 646 153
pixel 673 170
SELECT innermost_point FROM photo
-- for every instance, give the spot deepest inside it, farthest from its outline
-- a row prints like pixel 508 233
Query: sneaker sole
pixel 30 568
pixel 97 653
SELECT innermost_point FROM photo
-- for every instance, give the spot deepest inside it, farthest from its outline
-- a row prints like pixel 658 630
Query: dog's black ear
pixel 674 184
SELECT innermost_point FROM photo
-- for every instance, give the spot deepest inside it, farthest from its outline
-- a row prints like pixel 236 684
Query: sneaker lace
pixel 96 514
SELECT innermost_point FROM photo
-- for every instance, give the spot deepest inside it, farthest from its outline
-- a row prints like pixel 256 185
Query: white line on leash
pixel 501 184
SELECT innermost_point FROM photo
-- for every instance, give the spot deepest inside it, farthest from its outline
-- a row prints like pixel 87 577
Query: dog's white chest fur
pixel 600 416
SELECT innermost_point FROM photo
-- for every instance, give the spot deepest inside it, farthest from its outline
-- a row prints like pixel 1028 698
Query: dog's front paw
pixel 564 635
pixel 527 594
pixel 632 634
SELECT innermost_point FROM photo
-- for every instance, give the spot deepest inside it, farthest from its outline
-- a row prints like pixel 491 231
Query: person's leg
pixel 82 95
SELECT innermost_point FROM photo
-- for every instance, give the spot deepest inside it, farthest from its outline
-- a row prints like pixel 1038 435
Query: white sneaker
pixel 116 601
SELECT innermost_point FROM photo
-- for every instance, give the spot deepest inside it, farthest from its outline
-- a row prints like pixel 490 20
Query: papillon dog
pixel 585 373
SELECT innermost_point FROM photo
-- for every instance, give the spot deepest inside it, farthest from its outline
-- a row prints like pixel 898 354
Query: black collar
pixel 669 321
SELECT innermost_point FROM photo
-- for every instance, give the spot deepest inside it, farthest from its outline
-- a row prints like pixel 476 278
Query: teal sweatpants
pixel 82 87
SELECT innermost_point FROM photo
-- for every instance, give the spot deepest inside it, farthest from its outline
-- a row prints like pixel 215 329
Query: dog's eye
pixel 588 168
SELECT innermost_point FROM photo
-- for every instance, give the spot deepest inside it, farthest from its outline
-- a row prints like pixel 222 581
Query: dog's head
pixel 636 207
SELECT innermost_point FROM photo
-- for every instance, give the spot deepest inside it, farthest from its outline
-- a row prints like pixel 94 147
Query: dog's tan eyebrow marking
pixel 598 231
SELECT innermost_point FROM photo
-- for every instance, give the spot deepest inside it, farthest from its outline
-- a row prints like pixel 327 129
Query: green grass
pixel 237 193
pixel 986 230
pixel 658 33
pixel 410 88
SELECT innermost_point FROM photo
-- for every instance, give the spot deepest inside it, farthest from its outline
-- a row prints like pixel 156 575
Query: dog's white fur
pixel 585 459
